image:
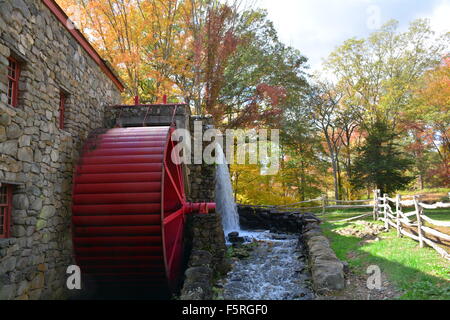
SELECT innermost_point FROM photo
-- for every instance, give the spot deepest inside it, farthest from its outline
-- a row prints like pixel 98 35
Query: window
pixel 5 209
pixel 13 81
pixel 62 108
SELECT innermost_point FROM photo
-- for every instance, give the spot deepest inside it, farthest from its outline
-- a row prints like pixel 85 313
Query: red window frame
pixel 5 210
pixel 13 81
pixel 62 108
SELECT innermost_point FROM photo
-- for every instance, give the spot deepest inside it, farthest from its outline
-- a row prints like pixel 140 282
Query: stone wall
pixel 202 177
pixel 204 237
pixel 207 260
pixel 326 269
pixel 34 153
pixel 251 217
pixel 151 115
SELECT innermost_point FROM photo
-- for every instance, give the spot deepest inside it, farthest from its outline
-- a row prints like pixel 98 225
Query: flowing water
pixel 275 270
pixel 224 194
pixel 276 267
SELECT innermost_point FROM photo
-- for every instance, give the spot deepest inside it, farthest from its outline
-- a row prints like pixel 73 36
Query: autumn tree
pixel 428 118
pixel 304 168
pixel 263 78
pixel 325 100
pixel 379 76
pixel 380 71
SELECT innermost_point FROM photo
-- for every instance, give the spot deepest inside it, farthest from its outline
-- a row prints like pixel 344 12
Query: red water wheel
pixel 129 209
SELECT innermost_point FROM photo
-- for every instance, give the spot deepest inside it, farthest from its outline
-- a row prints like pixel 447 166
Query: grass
pixel 341 214
pixel 443 191
pixel 439 214
pixel 420 273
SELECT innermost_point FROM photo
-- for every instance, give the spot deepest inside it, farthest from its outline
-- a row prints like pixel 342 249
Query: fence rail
pixel 325 203
pixel 391 211
pixel 401 221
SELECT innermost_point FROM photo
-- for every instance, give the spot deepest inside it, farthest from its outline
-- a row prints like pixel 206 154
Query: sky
pixel 317 27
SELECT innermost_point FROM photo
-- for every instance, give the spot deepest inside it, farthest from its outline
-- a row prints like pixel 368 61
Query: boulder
pixel 328 277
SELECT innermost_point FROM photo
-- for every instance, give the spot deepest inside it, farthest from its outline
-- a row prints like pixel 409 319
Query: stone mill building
pixel 54 88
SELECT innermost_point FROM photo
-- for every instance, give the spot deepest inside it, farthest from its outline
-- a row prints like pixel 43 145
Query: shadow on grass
pixel 420 273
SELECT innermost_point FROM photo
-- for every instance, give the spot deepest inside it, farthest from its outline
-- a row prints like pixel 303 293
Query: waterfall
pixel 224 194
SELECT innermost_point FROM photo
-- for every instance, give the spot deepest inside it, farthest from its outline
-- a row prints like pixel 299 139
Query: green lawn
pixel 341 214
pixel 443 191
pixel 420 273
pixel 439 214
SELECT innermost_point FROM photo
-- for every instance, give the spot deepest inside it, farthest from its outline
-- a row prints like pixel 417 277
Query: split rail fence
pixel 413 224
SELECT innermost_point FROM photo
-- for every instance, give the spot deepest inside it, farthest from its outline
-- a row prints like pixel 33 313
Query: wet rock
pixel 279 237
pixel 198 273
pixel 233 234
pixel 198 284
pixel 235 239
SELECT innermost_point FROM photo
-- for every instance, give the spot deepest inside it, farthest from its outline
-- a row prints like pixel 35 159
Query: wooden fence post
pixel 419 210
pixel 398 209
pixel 375 204
pixel 324 203
pixel 385 203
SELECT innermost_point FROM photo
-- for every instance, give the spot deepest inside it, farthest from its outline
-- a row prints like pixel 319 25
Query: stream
pixel 271 266
pixel 275 270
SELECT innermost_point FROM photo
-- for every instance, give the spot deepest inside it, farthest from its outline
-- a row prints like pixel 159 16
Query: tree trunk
pixel 421 184
pixel 335 176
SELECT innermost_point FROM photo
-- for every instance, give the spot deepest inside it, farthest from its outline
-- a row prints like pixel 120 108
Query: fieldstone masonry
pixel 38 158
pixel 35 155
pixel 202 177
pixel 148 115
pixel 204 237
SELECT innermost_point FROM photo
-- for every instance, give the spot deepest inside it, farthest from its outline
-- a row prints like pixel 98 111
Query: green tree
pixel 303 165
pixel 263 78
pixel 381 71
pixel 380 163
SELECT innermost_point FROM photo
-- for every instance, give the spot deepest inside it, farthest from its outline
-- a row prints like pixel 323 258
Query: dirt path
pixel 356 289
pixel 356 284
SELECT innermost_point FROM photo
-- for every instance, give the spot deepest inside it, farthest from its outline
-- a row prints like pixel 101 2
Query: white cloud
pixel 440 17
pixel 317 27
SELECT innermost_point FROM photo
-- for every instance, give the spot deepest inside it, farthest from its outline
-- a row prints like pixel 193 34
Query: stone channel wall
pixel 207 259
pixel 204 237
pixel 35 155
pixel 327 270
pixel 202 176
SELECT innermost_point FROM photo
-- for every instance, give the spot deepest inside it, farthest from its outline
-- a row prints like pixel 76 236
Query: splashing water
pixel 275 270
pixel 224 194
